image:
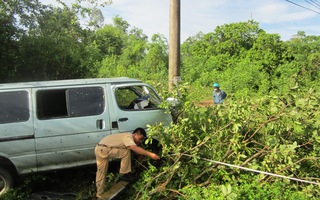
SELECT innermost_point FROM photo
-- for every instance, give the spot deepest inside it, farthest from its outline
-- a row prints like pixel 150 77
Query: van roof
pixel 118 80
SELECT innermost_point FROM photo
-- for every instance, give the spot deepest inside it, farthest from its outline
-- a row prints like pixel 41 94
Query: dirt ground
pixel 205 103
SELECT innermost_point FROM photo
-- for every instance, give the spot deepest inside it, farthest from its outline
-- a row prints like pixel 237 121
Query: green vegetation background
pixel 269 121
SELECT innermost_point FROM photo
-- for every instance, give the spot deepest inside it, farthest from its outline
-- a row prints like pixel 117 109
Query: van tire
pixel 6 181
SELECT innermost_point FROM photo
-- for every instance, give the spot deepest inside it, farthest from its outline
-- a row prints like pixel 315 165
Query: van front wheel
pixel 6 181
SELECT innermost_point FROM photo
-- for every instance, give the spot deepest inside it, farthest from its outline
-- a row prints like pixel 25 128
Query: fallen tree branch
pixel 156 177
pixel 302 159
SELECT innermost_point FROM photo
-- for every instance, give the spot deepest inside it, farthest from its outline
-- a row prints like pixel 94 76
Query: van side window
pixel 70 102
pixel 14 107
pixel 137 98
pixel 85 101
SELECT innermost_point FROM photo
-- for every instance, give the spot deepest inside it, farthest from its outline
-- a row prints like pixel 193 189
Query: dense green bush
pixel 275 134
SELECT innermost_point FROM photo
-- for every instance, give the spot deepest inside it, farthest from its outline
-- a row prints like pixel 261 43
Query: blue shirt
pixel 219 98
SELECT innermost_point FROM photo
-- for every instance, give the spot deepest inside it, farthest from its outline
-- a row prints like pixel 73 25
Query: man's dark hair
pixel 141 131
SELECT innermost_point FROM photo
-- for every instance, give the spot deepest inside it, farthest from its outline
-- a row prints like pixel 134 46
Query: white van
pixel 56 124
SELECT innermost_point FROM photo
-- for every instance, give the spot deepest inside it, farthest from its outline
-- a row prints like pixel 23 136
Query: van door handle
pixel 100 124
pixel 123 119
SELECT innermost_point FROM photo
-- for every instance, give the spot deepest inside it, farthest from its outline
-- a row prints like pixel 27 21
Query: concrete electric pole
pixel 174 44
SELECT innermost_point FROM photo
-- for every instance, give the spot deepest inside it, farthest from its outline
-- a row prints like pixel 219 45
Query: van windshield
pixel 137 98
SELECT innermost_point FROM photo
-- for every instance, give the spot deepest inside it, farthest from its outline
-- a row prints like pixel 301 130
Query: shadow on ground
pixel 69 184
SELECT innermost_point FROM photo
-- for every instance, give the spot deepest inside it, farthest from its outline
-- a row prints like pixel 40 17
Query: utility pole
pixel 174 44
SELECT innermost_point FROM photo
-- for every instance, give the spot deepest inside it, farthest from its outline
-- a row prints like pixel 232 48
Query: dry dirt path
pixel 205 103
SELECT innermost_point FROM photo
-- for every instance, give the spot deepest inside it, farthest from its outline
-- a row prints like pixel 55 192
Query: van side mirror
pixel 173 102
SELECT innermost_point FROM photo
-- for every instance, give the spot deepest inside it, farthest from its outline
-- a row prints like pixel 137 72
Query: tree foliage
pixel 275 134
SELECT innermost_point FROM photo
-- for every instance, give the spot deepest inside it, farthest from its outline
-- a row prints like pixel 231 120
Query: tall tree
pixel 15 17
pixel 53 49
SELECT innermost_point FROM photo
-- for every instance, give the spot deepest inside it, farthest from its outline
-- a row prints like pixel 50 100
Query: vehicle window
pixel 137 98
pixel 14 107
pixel 85 101
pixel 70 102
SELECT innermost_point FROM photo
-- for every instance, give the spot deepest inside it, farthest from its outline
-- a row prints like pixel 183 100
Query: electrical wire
pixel 316 2
pixel 312 3
pixel 302 6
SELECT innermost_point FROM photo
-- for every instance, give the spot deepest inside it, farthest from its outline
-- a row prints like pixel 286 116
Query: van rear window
pixel 14 107
pixel 70 102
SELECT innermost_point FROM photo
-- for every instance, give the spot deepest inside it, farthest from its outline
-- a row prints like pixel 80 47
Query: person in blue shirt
pixel 218 95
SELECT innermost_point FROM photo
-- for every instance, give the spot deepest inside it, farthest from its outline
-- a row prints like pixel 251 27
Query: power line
pixel 302 6
pixel 312 3
pixel 316 2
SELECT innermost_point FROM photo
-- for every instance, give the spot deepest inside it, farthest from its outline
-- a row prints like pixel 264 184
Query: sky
pixel 282 17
